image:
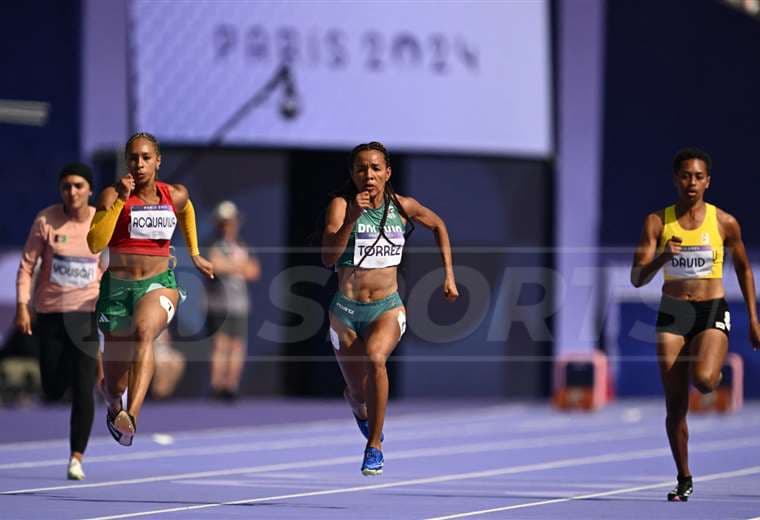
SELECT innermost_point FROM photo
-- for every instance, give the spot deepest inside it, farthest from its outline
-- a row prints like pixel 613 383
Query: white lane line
pixel 416 434
pixel 402 432
pixel 407 419
pixel 457 449
pixel 752 470
pixel 564 463
pixel 253 445
pixel 403 420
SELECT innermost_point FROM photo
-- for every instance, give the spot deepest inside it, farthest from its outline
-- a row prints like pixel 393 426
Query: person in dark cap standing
pixel 63 299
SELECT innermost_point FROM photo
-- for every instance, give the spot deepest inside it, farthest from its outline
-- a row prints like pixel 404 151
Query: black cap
pixel 75 168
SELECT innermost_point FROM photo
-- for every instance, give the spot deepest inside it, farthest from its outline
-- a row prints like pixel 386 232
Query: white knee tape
pixel 401 323
pixel 334 339
pixel 168 306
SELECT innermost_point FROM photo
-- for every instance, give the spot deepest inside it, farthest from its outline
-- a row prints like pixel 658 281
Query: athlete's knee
pixel 145 332
pixel 377 361
pixel 704 381
pixel 115 388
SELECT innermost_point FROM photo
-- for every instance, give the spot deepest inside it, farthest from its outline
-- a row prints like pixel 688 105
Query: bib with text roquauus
pixel 152 221
pixel 73 271
pixel 384 251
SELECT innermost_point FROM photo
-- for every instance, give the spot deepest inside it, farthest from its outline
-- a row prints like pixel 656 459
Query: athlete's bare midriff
pixel 136 267
pixel 367 285
pixel 694 290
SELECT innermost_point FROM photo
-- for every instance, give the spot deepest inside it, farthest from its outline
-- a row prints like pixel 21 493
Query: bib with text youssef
pixel 691 262
pixel 73 271
pixel 152 221
pixel 385 252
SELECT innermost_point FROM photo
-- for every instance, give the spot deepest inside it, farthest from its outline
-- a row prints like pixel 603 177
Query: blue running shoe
pixel 373 462
pixel 363 425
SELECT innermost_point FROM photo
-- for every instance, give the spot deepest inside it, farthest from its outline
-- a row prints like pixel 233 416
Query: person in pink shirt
pixel 63 299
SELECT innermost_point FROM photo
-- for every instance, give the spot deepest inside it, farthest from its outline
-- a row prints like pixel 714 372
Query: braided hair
pixel 143 135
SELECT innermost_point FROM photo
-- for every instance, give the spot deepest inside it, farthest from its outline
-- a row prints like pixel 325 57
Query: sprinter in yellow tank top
pixel 693 323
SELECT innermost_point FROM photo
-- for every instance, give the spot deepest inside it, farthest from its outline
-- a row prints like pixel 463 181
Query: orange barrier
pixel 581 381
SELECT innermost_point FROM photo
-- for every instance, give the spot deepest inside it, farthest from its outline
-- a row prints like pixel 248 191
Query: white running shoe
pixel 75 470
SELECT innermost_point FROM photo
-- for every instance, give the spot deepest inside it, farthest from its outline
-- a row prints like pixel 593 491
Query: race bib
pixel 73 271
pixel 153 222
pixel 374 253
pixel 691 262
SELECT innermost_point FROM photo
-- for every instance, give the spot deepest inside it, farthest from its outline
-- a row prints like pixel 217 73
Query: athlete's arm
pixel 645 264
pixel 222 264
pixel 251 268
pixel 434 223
pixel 35 244
pixel 339 222
pixel 107 211
pixel 732 239
pixel 186 216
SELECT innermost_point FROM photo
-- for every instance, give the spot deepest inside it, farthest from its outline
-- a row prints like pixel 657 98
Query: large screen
pixel 419 75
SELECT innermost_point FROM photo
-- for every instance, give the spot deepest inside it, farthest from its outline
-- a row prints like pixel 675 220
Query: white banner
pixel 418 75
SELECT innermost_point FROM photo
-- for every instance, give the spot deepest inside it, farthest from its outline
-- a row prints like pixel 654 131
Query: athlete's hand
pixel 359 204
pixel 23 319
pixel 754 334
pixel 450 289
pixel 672 247
pixel 125 186
pixel 203 265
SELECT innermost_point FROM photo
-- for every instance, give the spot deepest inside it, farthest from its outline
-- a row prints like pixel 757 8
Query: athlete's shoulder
pixel 178 193
pixel 724 217
pixel 51 214
pixel 656 216
pixel 336 203
pixel 52 210
pixel 728 225
pixel 408 203
pixel 654 222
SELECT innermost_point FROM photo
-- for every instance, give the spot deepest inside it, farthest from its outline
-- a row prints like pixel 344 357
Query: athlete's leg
pixel 170 365
pixel 219 355
pixel 235 364
pixel 708 352
pixel 382 338
pixel 118 352
pixel 152 314
pixel 82 346
pixel 351 353
pixel 55 366
pixel 672 354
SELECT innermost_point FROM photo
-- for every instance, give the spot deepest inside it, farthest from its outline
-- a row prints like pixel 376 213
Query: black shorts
pixel 689 318
pixel 233 325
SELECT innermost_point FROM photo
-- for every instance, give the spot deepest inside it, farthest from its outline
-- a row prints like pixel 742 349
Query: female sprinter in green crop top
pixel 364 240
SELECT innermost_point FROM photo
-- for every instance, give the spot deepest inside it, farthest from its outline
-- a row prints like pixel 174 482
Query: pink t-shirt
pixel 69 276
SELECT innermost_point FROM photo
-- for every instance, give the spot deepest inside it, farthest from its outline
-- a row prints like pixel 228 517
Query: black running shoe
pixel 682 491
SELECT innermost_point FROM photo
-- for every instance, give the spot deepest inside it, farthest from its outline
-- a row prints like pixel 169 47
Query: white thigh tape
pixel 168 306
pixel 401 323
pixel 334 339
